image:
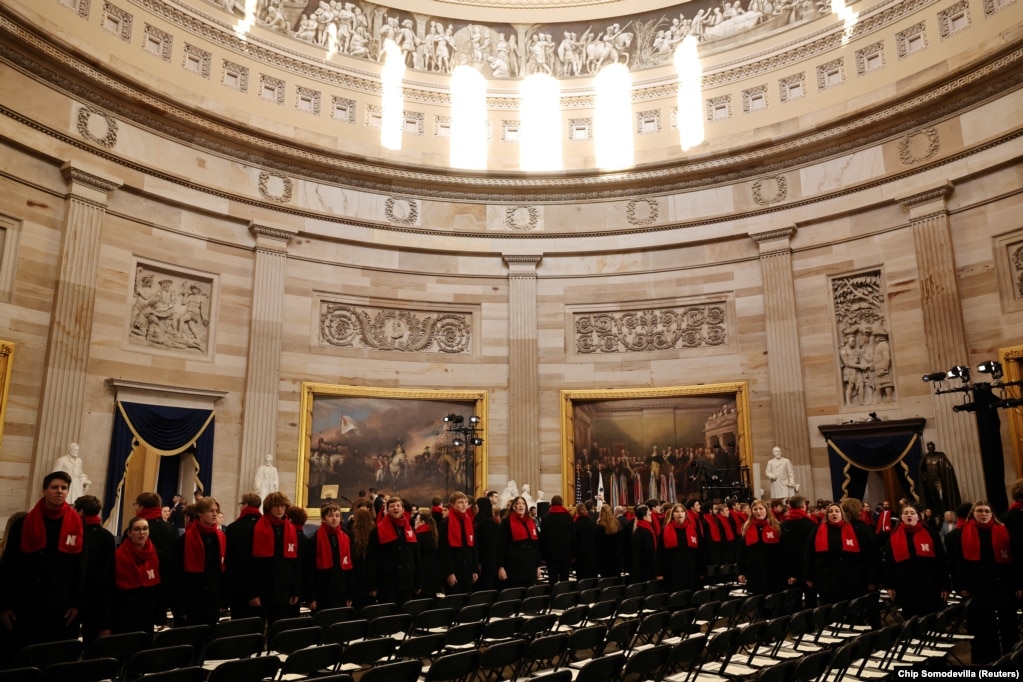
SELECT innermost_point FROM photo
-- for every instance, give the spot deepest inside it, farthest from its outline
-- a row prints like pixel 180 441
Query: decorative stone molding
pixel 651 329
pixel 1008 257
pixel 275 187
pixel 79 7
pixel 919 146
pixel 171 309
pixel 342 109
pixel 754 99
pixel 870 58
pixel 580 129
pixel 864 352
pixel 157 42
pixel 911 40
pixel 271 89
pixel 719 108
pixel 414 123
pixel 792 87
pixel 117 21
pixel 954 19
pixel 77 176
pixel 831 74
pixel 642 211
pixel 990 6
pixel 774 242
pixel 648 122
pixel 89 123
pixel 521 217
pixel 402 210
pixel 924 199
pixel 389 329
pixel 197 60
pixel 771 190
pixel 235 76
pixel 307 100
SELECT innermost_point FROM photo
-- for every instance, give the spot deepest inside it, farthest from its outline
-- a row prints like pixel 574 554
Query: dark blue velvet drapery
pixel 166 431
pixel 852 457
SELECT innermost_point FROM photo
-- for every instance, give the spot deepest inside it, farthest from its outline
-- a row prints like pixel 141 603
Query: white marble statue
pixel 267 480
pixel 72 464
pixel 510 492
pixel 779 472
pixel 527 496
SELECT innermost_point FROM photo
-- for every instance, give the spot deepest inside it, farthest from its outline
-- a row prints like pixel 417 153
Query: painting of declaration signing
pixel 355 438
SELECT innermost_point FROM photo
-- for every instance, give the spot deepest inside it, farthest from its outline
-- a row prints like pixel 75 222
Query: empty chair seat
pixel 310 661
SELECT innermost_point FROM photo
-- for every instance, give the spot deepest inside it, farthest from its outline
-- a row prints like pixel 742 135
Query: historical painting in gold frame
pixel 6 370
pixel 354 438
pixel 632 444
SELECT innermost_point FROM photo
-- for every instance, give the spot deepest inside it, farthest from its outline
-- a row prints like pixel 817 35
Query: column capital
pixel 522 265
pixel 927 202
pixel 272 237
pixel 87 183
pixel 775 241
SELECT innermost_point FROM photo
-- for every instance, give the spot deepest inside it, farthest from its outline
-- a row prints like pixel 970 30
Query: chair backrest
pixel 421 647
pixel 400 671
pixel 564 600
pixel 613 593
pixel 23 674
pixel 390 626
pixel 257 668
pixel 681 622
pixel 365 652
pixel 601 668
pixel 453 667
pixel 327 617
pixel 157 660
pixel 414 607
pixel 238 626
pixel 371 611
pixel 495 659
pixel 47 653
pixel 538 590
pixel 630 606
pixel 190 674
pixel 646 664
pixel 511 593
pixel 652 627
pixel 562 587
pixel 194 636
pixel 506 608
pixel 86 670
pixel 505 628
pixel 287 624
pixel 586 584
pixel 556 676
pixel 572 616
pixel 311 660
pixel 451 601
pixel 471 613
pixel 621 634
pixel 287 641
pixel 433 618
pixel 810 667
pixel 345 631
pixel 588 638
pixel 538 625
pixel 679 600
pixel 687 653
pixel 120 646
pixel 535 604
pixel 464 634
pixel 228 648
pixel 482 597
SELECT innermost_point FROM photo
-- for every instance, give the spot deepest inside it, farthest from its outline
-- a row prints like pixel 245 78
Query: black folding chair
pixel 86 670
pixel 311 661
pixel 254 669
pixel 157 660
pixel 47 653
pixel 400 671
pixel 120 646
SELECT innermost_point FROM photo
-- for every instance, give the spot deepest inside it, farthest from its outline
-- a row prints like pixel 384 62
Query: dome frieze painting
pixel 564 50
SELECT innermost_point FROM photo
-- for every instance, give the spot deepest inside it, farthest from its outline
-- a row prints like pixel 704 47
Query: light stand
pixel 466 436
pixel 984 404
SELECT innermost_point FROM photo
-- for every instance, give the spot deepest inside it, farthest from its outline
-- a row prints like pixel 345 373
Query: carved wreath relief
pixel 651 330
pixel 170 311
pixel 865 353
pixel 348 326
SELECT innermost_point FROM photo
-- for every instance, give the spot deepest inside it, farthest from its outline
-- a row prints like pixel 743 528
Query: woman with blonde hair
pixel 761 559
pixel 610 544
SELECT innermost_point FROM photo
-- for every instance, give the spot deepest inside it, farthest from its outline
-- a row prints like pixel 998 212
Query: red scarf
pixel 794 514
pixel 437 510
pixel 33 530
pixel 195 547
pixel 671 535
pixel 999 541
pixel 865 516
pixel 1015 505
pixel 522 527
pixel 643 523
pixel 458 524
pixel 92 520
pixel 387 530
pixel 738 517
pixel 849 541
pixel 324 555
pixel 884 521
pixel 150 513
pixel 923 543
pixel 583 515
pixel 715 529
pixel 768 534
pixel 249 511
pixel 135 568
pixel 726 523
pixel 263 538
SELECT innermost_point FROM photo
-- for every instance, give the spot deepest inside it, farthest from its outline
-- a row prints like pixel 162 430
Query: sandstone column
pixel 523 372
pixel 74 301
pixel 259 420
pixel 784 363
pixel 944 332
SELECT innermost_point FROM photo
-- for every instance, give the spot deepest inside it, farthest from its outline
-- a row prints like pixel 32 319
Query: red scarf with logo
pixel 33 529
pixel 849 541
pixel 195 547
pixel 999 541
pixel 522 527
pixel 249 511
pixel 459 523
pixel 923 543
pixel 768 534
pixel 884 521
pixel 263 538
pixel 671 535
pixel 643 523
pixel 135 568
pixel 387 530
pixel 324 555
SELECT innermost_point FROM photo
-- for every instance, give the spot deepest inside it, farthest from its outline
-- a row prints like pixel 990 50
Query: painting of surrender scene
pixel 397 441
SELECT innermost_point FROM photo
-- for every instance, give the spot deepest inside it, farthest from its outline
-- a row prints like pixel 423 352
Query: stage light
pixel 458 442
pixel 934 376
pixel 454 419
pixel 960 372
pixel 1010 403
pixel 476 441
pixel 992 367
pixel 965 407
pixel 474 419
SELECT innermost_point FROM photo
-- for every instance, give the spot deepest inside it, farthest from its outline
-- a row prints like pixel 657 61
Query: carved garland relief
pixel 654 329
pixel 388 329
pixel 865 355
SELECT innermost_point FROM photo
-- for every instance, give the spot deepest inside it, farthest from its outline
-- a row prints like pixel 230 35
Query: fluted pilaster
pixel 944 331
pixel 74 301
pixel 784 361
pixel 523 372
pixel 259 424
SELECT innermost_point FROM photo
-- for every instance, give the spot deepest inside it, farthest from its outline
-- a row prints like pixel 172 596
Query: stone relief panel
pixel 171 310
pixel 669 327
pixel 563 50
pixel 1008 253
pixel 345 325
pixel 97 127
pixel 865 359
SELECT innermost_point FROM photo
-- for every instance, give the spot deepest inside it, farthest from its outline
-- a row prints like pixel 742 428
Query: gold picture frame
pixel 352 438
pixel 6 371
pixel 675 410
